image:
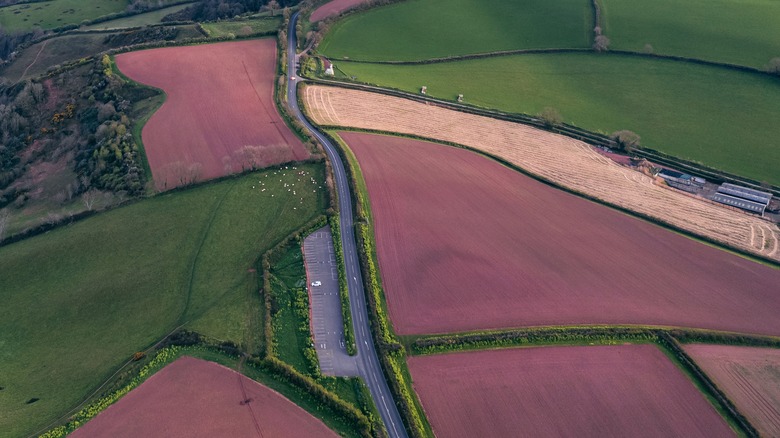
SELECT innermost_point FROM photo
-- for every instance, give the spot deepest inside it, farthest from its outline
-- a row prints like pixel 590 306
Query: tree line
pixel 210 10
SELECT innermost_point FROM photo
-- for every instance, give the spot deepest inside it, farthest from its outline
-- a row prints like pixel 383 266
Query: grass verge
pixel 346 315
pixel 391 353
pixel 243 28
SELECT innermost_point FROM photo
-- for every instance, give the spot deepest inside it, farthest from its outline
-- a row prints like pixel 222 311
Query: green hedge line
pixel 667 339
pixel 162 358
pixel 673 346
pixel 575 132
pixel 188 342
pixel 578 335
pixel 268 259
pixel 390 351
pixel 544 180
pixel 521 337
pixel 708 337
pixel 270 359
pixel 319 392
pixel 346 314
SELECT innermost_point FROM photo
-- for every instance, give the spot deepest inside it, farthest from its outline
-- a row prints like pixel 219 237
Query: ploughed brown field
pixel 195 398
pixel 626 390
pixel 333 8
pixel 219 116
pixel 465 243
pixel 562 160
pixel 750 377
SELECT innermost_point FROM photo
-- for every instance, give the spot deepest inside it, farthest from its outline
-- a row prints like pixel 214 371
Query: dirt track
pixel 219 116
pixel 565 161
pixel 195 398
pixel 465 243
pixel 750 377
pixel 631 391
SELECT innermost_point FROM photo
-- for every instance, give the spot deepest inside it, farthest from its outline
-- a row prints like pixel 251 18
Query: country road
pixel 367 360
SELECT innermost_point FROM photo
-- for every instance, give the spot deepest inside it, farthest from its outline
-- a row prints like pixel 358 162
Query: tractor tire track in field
pixel 196 255
pixel 245 400
pixel 760 402
pixel 269 112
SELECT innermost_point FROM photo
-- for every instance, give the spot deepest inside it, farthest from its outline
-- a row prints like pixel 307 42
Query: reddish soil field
pixel 750 377
pixel 219 116
pixel 333 8
pixel 627 390
pixel 195 398
pixel 465 243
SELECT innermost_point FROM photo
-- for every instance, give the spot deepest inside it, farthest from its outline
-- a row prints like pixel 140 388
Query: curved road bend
pixel 367 360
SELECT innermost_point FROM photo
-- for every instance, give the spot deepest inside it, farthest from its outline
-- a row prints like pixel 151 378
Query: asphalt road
pixel 327 323
pixel 367 360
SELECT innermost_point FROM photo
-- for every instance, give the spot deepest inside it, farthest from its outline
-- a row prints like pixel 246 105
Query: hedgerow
pixel 162 358
pixel 346 314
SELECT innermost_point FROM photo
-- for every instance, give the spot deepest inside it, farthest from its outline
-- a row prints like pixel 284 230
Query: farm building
pixel 751 200
pixel 328 67
pixel 682 181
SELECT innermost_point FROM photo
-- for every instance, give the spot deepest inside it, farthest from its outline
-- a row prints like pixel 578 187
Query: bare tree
pixel 273 5
pixel 88 198
pixel 53 218
pixel 551 117
pixel 85 181
pixel 601 43
pixel 626 140
pixel 5 218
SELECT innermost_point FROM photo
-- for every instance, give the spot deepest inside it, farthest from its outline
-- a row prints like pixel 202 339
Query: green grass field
pixel 152 17
pixel 424 29
pixel 56 13
pixel 243 27
pixel 78 301
pixel 742 32
pixel 35 60
pixel 289 282
pixel 719 117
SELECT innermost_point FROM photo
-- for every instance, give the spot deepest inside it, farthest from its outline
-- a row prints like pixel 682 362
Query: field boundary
pixel 346 314
pixel 192 344
pixel 268 352
pixel 592 138
pixel 418 345
pixel 392 355
pixel 650 219
pixel 502 53
pixel 179 339
pixel 665 338
pixel 725 403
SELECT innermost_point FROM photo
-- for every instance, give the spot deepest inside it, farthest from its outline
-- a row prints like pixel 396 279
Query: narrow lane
pixel 367 359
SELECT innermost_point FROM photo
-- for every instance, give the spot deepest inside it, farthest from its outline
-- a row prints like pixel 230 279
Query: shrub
pixel 626 140
pixel 551 117
pixel 601 43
